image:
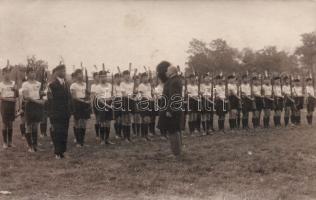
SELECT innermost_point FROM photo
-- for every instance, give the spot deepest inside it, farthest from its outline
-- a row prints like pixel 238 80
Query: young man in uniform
pixel 288 100
pixel 102 105
pixel 247 101
pixel 33 108
pixel 94 85
pixel 268 101
pixel 278 100
pixel 136 116
pixel 145 105
pixel 117 105
pixel 8 95
pixel 81 105
pixel 310 99
pixel 257 93
pixel 193 103
pixel 298 96
pixel 234 101
pixel 220 101
pixel 207 104
pixel 127 95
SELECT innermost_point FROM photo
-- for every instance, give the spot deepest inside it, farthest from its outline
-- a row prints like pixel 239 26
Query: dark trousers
pixel 60 135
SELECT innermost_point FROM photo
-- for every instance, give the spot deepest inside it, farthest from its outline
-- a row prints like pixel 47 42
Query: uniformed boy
pixel 33 108
pixel 193 103
pixel 288 100
pixel 234 101
pixel 268 101
pixel 220 101
pixel 310 100
pixel 207 104
pixel 278 100
pixel 145 105
pixel 94 85
pixel 8 95
pixel 127 98
pixel 258 98
pixel 102 104
pixel 247 102
pixel 81 106
pixel 298 96
pixel 117 105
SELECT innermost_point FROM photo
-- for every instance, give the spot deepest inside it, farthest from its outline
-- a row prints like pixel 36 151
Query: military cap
pixel 59 67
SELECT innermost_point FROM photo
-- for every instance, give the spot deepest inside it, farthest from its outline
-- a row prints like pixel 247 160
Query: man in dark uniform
pixel 170 118
pixel 59 100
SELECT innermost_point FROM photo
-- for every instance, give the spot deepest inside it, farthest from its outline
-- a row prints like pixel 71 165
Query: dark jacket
pixel 59 101
pixel 172 91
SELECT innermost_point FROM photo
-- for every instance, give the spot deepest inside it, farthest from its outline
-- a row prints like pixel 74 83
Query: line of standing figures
pixel 118 98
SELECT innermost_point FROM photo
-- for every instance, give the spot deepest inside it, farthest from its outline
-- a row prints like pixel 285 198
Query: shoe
pixel 5 146
pixel 109 143
pixel 102 143
pixel 31 150
pixel 57 157
pixel 78 145
pixel 163 138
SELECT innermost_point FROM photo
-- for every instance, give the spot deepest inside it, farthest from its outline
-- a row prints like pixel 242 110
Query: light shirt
pixel 297 91
pixel 310 90
pixel 193 90
pixel 158 90
pixel 61 80
pixel 206 89
pixel 103 90
pixel 220 91
pixel 127 88
pixel 245 89
pixel 93 87
pixel 32 89
pixel 232 88
pixel 117 91
pixel 286 89
pixel 267 89
pixel 256 89
pixel 277 90
pixel 79 89
pixel 7 90
pixel 145 90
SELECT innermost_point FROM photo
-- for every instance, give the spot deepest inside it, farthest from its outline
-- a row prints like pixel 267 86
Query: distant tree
pixel 307 51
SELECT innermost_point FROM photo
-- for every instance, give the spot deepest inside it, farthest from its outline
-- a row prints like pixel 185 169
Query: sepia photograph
pixel 157 100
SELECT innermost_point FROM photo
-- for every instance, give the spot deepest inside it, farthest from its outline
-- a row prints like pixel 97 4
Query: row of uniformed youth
pixel 240 96
pixel 203 99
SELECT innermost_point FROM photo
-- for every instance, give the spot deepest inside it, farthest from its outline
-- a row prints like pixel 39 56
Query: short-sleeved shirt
pixel 193 90
pixel 298 91
pixel 267 89
pixel 32 89
pixel 206 89
pixel 7 90
pixel 286 89
pixel 79 89
pixel 93 87
pixel 220 91
pixel 103 90
pixel 145 90
pixel 158 90
pixel 256 90
pixel 310 90
pixel 232 88
pixel 277 90
pixel 127 88
pixel 246 89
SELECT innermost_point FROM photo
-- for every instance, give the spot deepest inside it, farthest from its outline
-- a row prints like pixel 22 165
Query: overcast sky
pixel 144 32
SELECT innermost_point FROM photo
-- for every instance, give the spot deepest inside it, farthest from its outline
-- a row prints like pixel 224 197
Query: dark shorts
pixel 7 111
pixel 268 103
pixel 81 110
pixel 278 103
pixel 33 112
pixel 310 104
pixel 259 103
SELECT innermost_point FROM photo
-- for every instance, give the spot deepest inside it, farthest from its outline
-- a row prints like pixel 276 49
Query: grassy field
pixel 267 164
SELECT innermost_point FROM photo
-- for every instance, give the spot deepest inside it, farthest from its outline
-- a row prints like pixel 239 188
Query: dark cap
pixel 59 67
pixel 126 72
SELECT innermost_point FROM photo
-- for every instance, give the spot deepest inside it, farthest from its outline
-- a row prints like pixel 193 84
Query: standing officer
pixel 297 92
pixel 220 101
pixel 278 100
pixel 257 93
pixel 247 101
pixel 234 101
pixel 288 100
pixel 268 101
pixel 59 102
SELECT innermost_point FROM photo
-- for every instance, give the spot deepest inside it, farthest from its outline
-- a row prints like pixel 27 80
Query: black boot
pixel 152 128
pixel 275 121
pixel 43 129
pixel 102 134
pixel 204 126
pixel 83 136
pixel 245 123
pixel 128 132
pixel 22 129
pixel 97 130
pixel 293 119
pixel 254 124
pixel 5 136
pixel 76 134
pixel 299 119
pixel 191 128
pixel 34 140
pixel 231 124
pixel 138 129
pixel 210 123
pixel 279 121
pixel 10 134
pixel 28 137
pixel 286 120
pixel 134 128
